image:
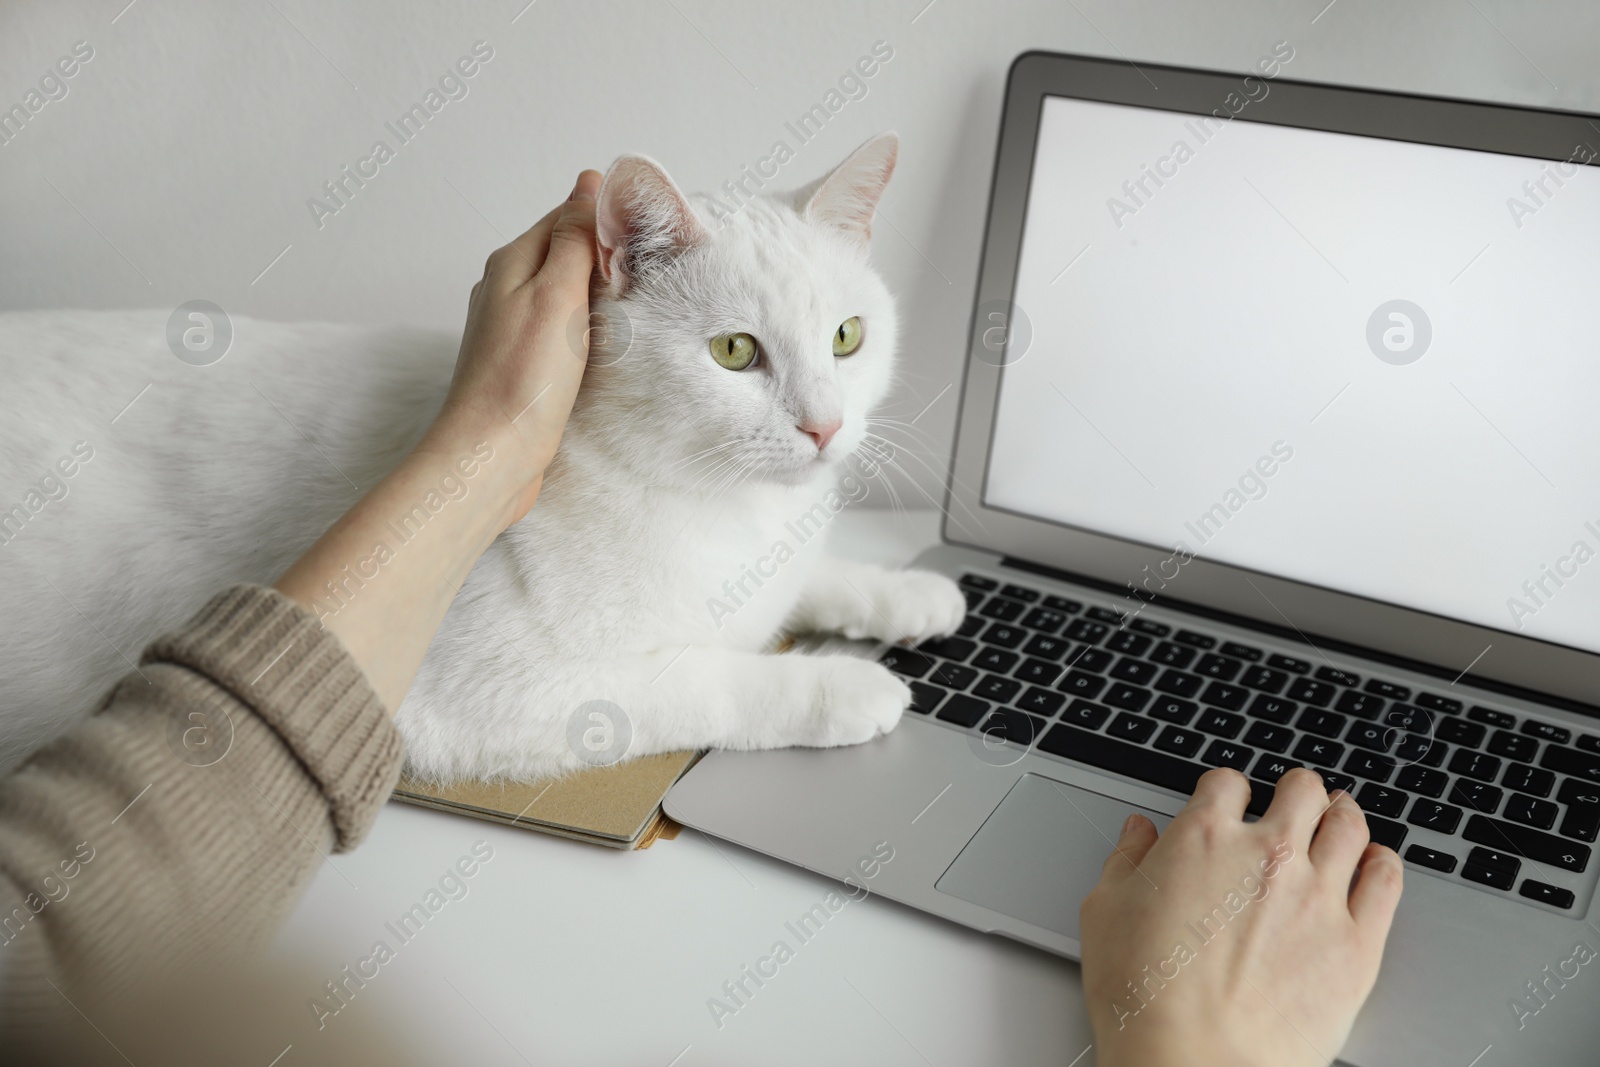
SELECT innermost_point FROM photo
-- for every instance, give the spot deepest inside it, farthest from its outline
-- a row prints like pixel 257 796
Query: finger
pixel 1341 838
pixel 570 260
pixel 1222 790
pixel 1298 803
pixel 1380 878
pixel 1137 838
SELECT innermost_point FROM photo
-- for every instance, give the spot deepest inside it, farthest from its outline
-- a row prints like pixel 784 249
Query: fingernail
pixel 1127 824
pixel 580 193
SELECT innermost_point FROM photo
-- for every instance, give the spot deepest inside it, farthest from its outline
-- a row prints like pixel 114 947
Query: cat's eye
pixel 847 338
pixel 735 351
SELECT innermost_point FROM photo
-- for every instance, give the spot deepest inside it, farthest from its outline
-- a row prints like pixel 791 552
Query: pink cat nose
pixel 821 434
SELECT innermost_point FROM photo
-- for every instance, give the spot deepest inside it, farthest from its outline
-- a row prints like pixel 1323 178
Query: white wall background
pixel 179 164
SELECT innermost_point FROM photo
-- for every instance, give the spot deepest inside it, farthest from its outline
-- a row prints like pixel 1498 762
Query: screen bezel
pixel 1447 646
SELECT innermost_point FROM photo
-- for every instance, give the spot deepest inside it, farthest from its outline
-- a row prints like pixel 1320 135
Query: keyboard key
pixel 1421 780
pixel 1037 671
pixel 925 697
pixel 997 660
pixel 1583 809
pixel 1194 640
pixel 1546 894
pixel 1088 632
pixel 999 607
pixel 1273 709
pixel 978 581
pixel 1221 668
pixel 1370 736
pixel 1571 761
pixel 1136 671
pixel 1082 684
pixel 1270 768
pixel 1385 832
pixel 1090 659
pixel 1491 868
pixel 1309 692
pixel 1545 731
pixel 1220 723
pixel 1408 717
pixel 1323 723
pixel 1083 713
pixel 1129 697
pixel 1388 690
pixel 1043 646
pixel 1154 629
pixel 1431 815
pixel 1044 620
pixel 1461 732
pixel 1142 764
pixel 950 648
pixel 1063 605
pixel 1540 814
pixel 1319 750
pixel 1173 709
pixel 1180 742
pixel 1513 746
pixel 1536 845
pixel 953 676
pixel 1179 684
pixel 1005 636
pixel 1475 765
pixel 993 687
pixel 1041 701
pixel 1337 677
pixel 1504 720
pixel 1381 800
pixel 1423 856
pixel 1271 738
pixel 1129 644
pixel 1531 780
pixel 1414 748
pixel 1105 615
pixel 1370 765
pixel 973 598
pixel 1361 705
pixel 1131 728
pixel 1238 651
pixel 970 626
pixel 1020 592
pixel 1288 663
pixel 1332 780
pixel 1476 796
pixel 1432 702
pixel 1589 742
pixel 1013 726
pixel 907 661
pixel 1226 754
pixel 1224 695
pixel 1264 679
pixel 963 710
pixel 1168 654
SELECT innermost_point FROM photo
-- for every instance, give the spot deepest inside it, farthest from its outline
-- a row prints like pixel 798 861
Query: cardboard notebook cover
pixel 617 806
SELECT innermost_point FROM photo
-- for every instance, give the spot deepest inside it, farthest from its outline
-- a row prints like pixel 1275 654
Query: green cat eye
pixel 735 351
pixel 847 338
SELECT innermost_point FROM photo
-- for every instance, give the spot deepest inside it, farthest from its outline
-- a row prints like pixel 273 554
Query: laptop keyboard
pixel 1507 802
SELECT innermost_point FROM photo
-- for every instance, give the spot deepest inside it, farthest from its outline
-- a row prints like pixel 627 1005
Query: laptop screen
pixel 1364 364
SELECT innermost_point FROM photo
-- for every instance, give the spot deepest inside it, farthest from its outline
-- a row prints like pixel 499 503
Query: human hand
pixel 521 361
pixel 1237 943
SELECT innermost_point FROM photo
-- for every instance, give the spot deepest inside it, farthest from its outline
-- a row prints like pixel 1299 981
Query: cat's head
pixel 746 343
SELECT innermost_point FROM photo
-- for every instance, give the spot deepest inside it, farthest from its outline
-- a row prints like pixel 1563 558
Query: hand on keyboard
pixel 1223 941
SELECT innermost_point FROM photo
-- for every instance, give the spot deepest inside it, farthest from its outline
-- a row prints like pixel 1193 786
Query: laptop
pixel 1279 446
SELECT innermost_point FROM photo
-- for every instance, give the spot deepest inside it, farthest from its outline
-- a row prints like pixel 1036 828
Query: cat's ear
pixel 640 217
pixel 848 197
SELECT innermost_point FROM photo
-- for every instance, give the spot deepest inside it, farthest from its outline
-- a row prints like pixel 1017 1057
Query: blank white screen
pixel 1229 310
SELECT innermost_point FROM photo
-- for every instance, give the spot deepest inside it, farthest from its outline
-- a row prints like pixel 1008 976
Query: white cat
pixel 676 535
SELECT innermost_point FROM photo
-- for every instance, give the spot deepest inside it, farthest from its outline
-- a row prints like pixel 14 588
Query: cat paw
pixel 910 606
pixel 856 700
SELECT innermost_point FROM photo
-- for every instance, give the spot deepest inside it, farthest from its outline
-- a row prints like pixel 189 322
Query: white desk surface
pixel 562 953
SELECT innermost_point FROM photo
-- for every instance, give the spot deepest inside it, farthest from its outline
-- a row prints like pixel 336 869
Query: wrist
pixel 487 473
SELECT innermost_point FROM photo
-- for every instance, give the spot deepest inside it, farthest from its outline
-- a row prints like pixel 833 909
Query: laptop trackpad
pixel 1039 853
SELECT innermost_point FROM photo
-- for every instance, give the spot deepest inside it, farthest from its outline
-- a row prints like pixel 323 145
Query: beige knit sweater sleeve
pixel 184 818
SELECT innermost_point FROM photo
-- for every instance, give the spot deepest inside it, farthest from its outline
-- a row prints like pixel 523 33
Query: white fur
pixel 674 476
